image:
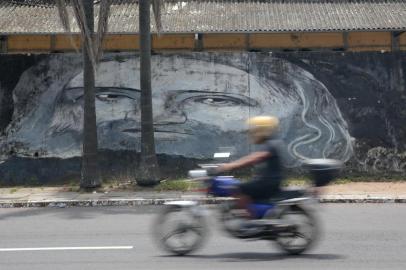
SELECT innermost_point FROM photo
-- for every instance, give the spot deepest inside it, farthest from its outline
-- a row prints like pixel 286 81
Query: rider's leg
pixel 243 202
pixel 246 196
pixel 254 191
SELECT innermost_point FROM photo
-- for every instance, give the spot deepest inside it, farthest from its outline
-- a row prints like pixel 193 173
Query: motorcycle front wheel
pixel 180 230
pixel 304 230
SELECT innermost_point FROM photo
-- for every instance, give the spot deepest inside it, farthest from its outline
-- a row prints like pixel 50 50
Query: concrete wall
pixel 348 106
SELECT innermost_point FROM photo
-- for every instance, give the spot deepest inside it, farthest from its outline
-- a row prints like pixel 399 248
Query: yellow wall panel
pixel 65 43
pixel 357 41
pixel 263 41
pixel 173 41
pixel 224 41
pixel 402 39
pixel 121 42
pixel 296 40
pixel 370 49
pixel 369 39
pixel 29 42
pixel 320 40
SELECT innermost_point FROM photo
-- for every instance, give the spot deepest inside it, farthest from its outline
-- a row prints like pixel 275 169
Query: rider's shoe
pixel 266 222
pixel 269 223
pixel 241 213
pixel 249 228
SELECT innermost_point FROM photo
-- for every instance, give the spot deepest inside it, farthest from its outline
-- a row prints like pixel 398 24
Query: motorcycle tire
pixel 306 230
pixel 195 225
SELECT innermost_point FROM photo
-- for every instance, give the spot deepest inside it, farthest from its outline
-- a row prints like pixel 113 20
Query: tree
pixel 148 169
pixel 90 175
pixel 91 49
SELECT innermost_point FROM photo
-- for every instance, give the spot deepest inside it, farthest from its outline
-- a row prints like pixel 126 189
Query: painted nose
pixel 170 118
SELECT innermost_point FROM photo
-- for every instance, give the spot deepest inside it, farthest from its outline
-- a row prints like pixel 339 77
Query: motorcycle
pixel 288 219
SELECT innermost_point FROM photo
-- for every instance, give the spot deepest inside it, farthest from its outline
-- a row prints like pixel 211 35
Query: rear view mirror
pixel 224 152
pixel 221 155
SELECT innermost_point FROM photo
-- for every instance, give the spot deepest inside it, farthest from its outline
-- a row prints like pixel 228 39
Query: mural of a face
pixel 199 106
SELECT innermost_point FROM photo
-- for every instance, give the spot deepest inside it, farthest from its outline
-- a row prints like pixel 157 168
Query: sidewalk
pixel 389 192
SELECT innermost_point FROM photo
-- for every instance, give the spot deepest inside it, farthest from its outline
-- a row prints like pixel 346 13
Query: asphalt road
pixel 369 236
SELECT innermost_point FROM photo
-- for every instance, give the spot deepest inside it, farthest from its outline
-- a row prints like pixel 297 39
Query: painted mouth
pixel 138 130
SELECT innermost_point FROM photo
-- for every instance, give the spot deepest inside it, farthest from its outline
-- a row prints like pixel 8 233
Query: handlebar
pixel 198 173
pixel 207 172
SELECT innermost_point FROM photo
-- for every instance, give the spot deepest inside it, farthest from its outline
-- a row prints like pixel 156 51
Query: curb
pixel 141 201
pixel 103 202
pixel 366 200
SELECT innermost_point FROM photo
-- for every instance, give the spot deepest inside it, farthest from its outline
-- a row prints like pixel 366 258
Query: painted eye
pixel 215 99
pixel 105 94
pixel 108 97
pixel 218 101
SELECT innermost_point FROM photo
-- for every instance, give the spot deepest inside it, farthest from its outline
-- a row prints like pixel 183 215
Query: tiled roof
pixel 201 16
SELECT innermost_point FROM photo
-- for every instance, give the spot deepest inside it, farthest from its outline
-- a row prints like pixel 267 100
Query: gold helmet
pixel 260 128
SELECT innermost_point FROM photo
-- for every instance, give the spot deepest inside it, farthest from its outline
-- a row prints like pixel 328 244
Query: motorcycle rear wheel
pixel 304 234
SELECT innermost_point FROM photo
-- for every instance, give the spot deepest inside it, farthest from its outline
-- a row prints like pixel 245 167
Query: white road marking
pixel 65 248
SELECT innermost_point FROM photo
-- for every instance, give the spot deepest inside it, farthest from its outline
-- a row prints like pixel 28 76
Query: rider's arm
pixel 249 160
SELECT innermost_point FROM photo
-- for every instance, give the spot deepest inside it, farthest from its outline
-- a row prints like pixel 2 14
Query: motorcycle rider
pixel 262 131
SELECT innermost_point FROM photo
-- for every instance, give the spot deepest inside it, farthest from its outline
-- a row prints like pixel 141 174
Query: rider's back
pixel 271 168
pixel 269 173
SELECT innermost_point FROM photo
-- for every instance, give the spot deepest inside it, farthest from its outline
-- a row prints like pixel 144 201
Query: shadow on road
pixel 264 256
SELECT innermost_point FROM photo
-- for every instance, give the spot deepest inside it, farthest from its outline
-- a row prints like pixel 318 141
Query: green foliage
pixel 174 185
pixel 33 181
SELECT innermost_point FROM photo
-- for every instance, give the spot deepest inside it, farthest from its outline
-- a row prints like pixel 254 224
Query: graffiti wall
pixel 343 106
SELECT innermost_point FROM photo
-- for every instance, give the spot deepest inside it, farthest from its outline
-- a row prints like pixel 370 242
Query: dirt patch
pixel 367 188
